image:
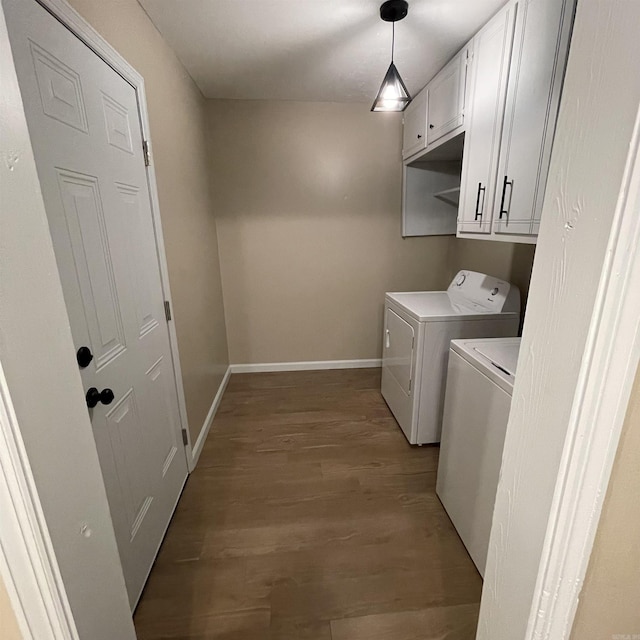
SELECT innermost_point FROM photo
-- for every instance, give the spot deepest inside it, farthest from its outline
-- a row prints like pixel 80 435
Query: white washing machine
pixel 478 399
pixel 418 328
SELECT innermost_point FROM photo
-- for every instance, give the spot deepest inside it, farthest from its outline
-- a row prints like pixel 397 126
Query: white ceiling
pixel 314 50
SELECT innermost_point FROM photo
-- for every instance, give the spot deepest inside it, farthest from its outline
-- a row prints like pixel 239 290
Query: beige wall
pixel 511 262
pixel 610 598
pixel 177 117
pixel 8 623
pixel 308 203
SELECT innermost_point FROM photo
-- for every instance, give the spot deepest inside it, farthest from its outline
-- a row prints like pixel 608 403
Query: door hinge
pixel 167 310
pixel 185 440
pixel 145 153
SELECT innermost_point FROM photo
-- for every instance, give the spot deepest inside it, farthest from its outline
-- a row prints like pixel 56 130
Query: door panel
pixel 137 257
pixel 60 89
pixel 86 137
pixel 116 120
pixel 398 352
pixel 446 98
pixel 535 81
pixel 128 444
pixel 489 72
pixel 414 136
pixel 85 222
pixel 165 442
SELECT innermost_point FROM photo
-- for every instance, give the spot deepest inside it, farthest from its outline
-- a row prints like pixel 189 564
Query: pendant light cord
pixel 393 38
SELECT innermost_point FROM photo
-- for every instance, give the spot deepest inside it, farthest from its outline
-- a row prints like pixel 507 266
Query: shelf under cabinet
pixel 450 196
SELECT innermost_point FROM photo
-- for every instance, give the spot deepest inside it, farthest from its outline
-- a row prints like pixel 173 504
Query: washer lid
pixel 441 305
pixel 497 358
pixel 502 354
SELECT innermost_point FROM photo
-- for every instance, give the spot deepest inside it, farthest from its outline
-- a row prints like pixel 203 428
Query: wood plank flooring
pixel 309 517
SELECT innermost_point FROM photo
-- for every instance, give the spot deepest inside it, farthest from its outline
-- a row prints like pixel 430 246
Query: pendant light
pixel 393 94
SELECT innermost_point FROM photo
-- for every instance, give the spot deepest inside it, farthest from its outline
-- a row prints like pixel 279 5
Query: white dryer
pixel 479 386
pixel 418 328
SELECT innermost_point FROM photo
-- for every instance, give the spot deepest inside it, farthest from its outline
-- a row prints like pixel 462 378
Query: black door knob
pixel 94 396
pixel 84 357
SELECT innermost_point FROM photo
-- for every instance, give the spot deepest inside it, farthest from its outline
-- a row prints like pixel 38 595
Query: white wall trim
pixel 313 365
pixel 28 564
pixel 68 16
pixel 208 421
pixel 609 368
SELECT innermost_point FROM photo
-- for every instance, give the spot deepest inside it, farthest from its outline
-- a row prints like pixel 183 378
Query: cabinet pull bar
pixel 478 211
pixel 504 193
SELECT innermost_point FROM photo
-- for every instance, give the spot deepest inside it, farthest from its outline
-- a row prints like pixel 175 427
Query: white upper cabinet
pixel 415 124
pixel 541 42
pixel 446 97
pixel 502 91
pixel 488 74
pixel 508 145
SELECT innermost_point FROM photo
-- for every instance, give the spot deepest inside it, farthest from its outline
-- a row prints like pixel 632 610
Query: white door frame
pixel 87 34
pixel 599 402
pixel 581 341
pixel 27 558
pixel 610 363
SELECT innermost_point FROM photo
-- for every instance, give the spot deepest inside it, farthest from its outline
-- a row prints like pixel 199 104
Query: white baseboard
pixel 305 366
pixel 206 427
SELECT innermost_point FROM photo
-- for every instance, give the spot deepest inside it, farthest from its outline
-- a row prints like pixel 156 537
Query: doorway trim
pixel 580 345
pixel 28 564
pixel 73 21
pixel 610 363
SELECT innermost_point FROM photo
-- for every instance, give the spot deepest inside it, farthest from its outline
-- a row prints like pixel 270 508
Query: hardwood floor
pixel 309 517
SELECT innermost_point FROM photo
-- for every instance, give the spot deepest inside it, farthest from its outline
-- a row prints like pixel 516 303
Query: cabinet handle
pixel 478 211
pixel 430 126
pixel 388 339
pixel 504 193
pixel 419 136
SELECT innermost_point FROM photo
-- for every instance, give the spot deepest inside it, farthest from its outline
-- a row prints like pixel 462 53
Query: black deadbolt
pixel 94 396
pixel 84 357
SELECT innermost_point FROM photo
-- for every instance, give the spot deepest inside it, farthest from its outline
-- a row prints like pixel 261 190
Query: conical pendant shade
pixel 393 95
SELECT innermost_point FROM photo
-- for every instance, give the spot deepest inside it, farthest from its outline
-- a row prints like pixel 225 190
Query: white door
pixel 489 72
pixel 445 99
pixel 86 137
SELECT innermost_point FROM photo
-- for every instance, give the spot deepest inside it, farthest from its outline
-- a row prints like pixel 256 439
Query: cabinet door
pixel 539 56
pixel 485 112
pixel 415 123
pixel 446 98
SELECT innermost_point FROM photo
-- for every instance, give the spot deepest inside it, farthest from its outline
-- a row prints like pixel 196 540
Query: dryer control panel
pixel 479 291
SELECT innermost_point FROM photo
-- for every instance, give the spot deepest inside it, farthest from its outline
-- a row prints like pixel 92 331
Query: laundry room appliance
pixel 478 399
pixel 418 328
